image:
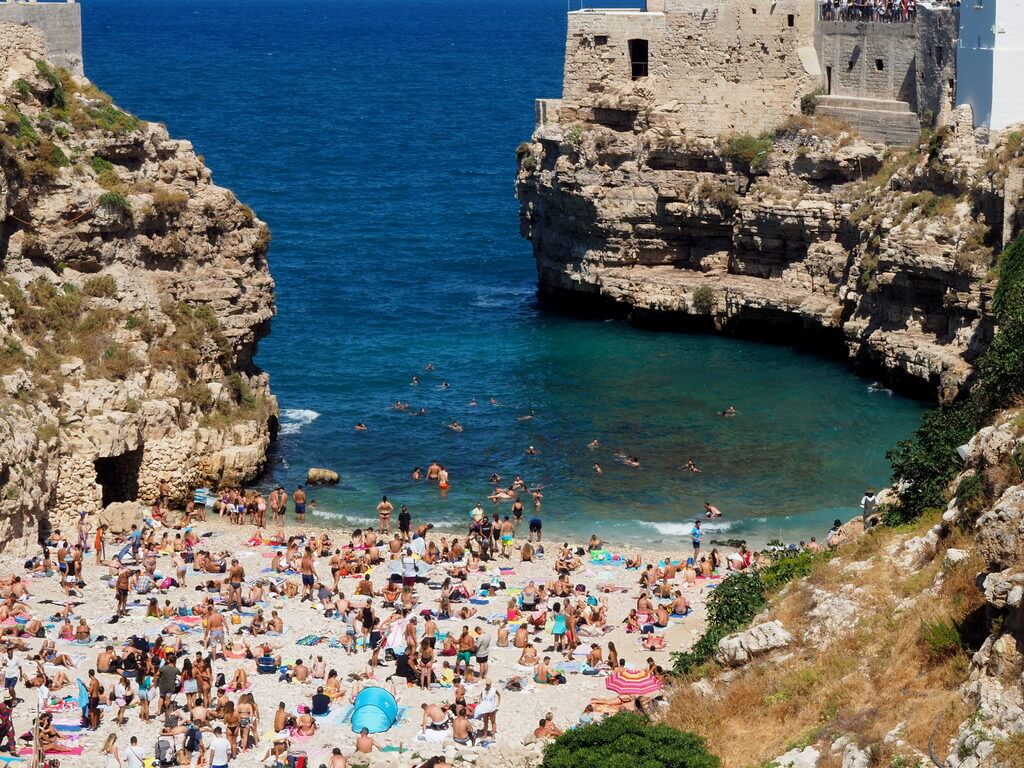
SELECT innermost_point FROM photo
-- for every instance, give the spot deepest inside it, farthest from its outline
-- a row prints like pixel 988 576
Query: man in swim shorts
pixel 535 528
pixel 299 497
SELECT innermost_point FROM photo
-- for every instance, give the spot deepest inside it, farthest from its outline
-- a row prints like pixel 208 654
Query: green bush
pixel 627 740
pixel 58 96
pixel 100 164
pixel 788 566
pixel 940 639
pixel 970 495
pixel 704 300
pixel 751 151
pixel 22 87
pixel 115 202
pixel 722 196
pixel 574 136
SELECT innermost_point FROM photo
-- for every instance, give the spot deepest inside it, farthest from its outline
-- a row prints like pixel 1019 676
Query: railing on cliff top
pixel 878 11
pixel 573 6
pixel 36 2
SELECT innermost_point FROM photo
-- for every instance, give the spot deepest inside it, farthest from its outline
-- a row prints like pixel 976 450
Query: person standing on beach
pixel 695 535
pixel 219 749
pixel 236 575
pixel 384 510
pixel 404 522
pixel 308 571
pixel 299 497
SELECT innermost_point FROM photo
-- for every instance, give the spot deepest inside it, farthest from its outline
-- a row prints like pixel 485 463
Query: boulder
pixel 120 516
pixel 738 649
pixel 955 557
pixel 321 476
pixel 807 757
pixel 1001 530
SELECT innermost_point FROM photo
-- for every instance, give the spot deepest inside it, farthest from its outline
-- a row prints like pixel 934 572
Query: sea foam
pixel 294 419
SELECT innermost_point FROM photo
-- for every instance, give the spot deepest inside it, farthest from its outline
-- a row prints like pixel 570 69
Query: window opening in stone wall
pixel 828 79
pixel 753 11
pixel 940 54
pixel 118 476
pixel 638 58
pixel 601 40
pixel 790 20
pixel 879 65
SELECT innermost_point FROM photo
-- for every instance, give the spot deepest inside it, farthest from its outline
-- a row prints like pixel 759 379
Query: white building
pixel 990 61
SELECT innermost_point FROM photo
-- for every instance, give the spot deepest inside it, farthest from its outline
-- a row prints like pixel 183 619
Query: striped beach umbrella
pixel 633 682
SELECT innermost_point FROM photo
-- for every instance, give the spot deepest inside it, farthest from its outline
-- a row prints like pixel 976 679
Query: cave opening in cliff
pixel 638 58
pixel 118 476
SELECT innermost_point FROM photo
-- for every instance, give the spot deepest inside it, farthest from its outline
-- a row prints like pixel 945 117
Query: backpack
pixel 191 743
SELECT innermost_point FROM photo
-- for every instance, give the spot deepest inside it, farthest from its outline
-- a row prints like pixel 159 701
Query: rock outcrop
pixel 133 292
pixel 879 252
pixel 738 649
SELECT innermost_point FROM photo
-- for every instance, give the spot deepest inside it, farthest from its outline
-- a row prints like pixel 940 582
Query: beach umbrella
pixel 632 682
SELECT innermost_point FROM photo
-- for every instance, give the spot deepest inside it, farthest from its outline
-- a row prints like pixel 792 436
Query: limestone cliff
pixel 133 292
pixel 885 253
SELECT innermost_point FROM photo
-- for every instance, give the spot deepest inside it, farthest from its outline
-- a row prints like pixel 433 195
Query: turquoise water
pixel 377 140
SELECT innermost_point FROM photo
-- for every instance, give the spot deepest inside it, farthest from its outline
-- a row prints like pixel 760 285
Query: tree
pixel 627 740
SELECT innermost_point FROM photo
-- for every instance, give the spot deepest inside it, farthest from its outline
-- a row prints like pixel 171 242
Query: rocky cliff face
pixel 883 253
pixel 133 292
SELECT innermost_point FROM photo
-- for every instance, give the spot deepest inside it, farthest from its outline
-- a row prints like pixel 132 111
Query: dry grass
pixel 880 673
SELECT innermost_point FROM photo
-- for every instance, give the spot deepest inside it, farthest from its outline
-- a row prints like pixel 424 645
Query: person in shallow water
pixel 360 427
pixel 730 411
pixel 711 511
pixel 433 471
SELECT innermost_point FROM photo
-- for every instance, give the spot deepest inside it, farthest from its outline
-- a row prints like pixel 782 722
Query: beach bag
pixel 296 760
pixel 265 665
pixel 236 619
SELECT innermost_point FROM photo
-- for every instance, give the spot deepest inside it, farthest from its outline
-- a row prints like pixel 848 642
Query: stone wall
pixel 714 67
pixel 60 24
pixel 914 62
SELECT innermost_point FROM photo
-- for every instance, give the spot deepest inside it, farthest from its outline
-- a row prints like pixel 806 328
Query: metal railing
pixel 879 11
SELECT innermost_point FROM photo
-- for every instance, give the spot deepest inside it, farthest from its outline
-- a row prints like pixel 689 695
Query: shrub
pixel 12 355
pixel 970 495
pixel 167 201
pixel 574 136
pixel 116 202
pixel 110 181
pixel 940 639
pixel 788 566
pixel 928 204
pixel 751 151
pixel 100 164
pixel 118 362
pixel 627 740
pixel 58 96
pixel 722 196
pixel 704 300
pixel 54 155
pixel 22 87
pixel 196 393
pixel 809 102
pixel 100 286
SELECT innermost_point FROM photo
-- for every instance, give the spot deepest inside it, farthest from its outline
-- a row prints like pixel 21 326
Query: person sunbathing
pixel 610 706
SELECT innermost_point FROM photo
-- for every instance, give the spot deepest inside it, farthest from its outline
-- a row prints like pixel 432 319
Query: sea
pixel 377 139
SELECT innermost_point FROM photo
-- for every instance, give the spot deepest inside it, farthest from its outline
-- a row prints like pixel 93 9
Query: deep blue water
pixel 377 140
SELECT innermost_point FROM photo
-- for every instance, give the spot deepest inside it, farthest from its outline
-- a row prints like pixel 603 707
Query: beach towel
pixel 27 751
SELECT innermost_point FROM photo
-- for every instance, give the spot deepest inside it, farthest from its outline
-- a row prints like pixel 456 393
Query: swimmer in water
pixel 597 468
pixel 421 412
pixel 415 380
pixel 730 411
pixel 443 385
pixel 690 466
pixel 632 461
pixel 360 427
pixel 494 402
pixel 495 478
pixel 472 401
pixel 536 499
pixel 455 426
pixel 593 444
pixel 711 511
pixel 531 451
pixel 428 367
pixel 415 473
pixel 400 406
pixel 527 417
pixel 433 471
